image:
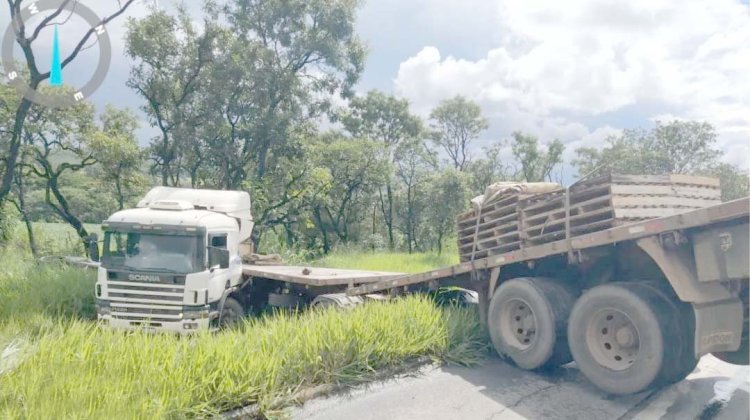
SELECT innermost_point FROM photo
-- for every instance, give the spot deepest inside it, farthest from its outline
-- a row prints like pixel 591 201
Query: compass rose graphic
pixel 56 98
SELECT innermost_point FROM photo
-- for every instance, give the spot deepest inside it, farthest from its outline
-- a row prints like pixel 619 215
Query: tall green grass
pixel 75 369
pixel 56 363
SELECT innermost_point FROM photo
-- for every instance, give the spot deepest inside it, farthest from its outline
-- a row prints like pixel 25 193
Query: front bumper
pixel 183 320
pixel 185 326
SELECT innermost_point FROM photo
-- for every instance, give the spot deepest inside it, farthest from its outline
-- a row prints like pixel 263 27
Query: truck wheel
pixel 527 319
pixel 231 313
pixel 336 300
pixel 619 335
pixel 682 319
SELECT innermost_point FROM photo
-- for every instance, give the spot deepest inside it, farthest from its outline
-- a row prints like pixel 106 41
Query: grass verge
pixel 56 363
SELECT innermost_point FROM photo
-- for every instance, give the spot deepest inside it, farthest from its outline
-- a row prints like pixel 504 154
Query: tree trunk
pixel 120 198
pixel 391 243
pixel 15 146
pixel 21 206
pixel 63 210
pixel 321 227
pixel 409 216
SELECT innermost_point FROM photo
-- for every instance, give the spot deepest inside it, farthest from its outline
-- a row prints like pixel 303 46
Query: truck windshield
pixel 151 252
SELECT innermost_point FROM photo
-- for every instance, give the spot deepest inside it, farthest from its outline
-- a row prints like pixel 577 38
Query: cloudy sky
pixel 577 70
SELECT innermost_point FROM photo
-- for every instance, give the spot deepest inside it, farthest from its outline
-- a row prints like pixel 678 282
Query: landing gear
pixel 527 318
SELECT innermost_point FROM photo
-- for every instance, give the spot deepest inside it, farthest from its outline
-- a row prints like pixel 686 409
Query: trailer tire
pixel 619 336
pixel 336 300
pixel 527 322
pixel 682 350
pixel 232 313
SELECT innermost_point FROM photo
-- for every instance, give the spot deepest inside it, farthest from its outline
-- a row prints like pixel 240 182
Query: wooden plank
pixel 662 201
pixel 486 224
pixel 647 213
pixel 695 180
pixel 652 190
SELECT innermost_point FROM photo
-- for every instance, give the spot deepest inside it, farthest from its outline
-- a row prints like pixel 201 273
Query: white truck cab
pixel 171 262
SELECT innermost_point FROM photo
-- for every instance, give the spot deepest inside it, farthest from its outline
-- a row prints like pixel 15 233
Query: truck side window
pixel 219 241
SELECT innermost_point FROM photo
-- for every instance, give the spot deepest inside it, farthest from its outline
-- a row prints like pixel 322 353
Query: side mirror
pixel 93 247
pixel 218 256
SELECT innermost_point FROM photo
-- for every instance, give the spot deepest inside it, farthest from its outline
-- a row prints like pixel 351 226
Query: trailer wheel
pixel 527 319
pixel 682 360
pixel 619 336
pixel 336 300
pixel 231 313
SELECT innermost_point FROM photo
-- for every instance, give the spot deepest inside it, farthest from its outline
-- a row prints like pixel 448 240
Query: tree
pixel 413 168
pixel 536 164
pixel 686 147
pixel 454 124
pixel 448 195
pixel 12 146
pixel 735 182
pixel 172 59
pixel 488 169
pixel 675 147
pixel 385 119
pixel 288 58
pixel 56 144
pixel 356 169
pixel 118 155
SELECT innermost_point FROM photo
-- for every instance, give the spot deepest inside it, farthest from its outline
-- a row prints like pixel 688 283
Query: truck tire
pixel 232 313
pixel 527 322
pixel 336 300
pixel 619 336
pixel 682 350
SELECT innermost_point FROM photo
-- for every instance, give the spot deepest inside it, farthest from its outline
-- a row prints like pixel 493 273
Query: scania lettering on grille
pixel 144 277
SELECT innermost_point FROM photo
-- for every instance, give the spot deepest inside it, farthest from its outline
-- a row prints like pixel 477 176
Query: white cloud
pixel 562 63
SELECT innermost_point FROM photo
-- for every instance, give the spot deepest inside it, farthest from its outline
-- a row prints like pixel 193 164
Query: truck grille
pixel 145 301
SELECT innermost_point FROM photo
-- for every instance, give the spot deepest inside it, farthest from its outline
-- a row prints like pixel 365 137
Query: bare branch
pixel 47 21
pixel 88 34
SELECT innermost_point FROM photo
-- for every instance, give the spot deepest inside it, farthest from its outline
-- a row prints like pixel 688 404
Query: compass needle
pixel 55 78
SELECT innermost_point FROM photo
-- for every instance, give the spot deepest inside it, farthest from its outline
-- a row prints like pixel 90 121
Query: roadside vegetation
pixel 54 358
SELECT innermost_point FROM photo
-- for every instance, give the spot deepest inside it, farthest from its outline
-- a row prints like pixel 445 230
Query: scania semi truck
pixel 634 305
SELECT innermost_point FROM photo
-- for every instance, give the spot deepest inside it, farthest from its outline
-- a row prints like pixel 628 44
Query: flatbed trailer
pixel 635 305
pixel 317 276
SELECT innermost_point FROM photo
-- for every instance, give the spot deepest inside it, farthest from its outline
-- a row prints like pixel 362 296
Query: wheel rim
pixel 518 323
pixel 613 339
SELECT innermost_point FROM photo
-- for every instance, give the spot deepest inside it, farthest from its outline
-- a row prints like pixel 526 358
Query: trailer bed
pixel 318 276
pixel 731 210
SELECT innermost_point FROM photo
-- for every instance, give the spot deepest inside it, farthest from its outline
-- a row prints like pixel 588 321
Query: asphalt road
pixel 498 390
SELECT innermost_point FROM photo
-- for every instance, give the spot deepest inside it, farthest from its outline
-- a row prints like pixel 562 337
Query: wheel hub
pixel 518 323
pixel 613 339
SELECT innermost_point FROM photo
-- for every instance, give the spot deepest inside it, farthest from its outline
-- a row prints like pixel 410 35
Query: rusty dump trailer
pixel 592 274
